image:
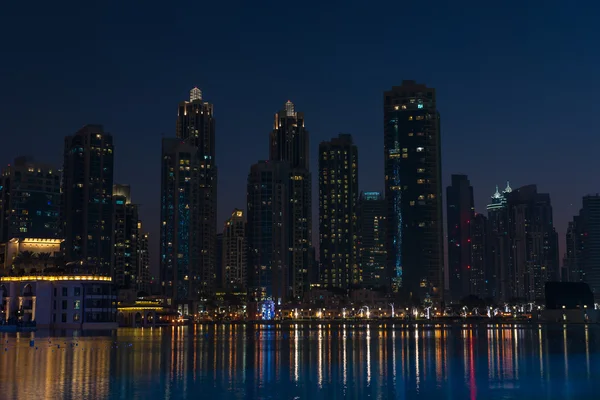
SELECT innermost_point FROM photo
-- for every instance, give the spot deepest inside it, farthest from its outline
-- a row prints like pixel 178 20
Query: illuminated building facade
pixel 41 253
pixel 196 126
pixel 289 142
pixel 533 243
pixel 413 190
pixel 60 301
pixel 371 239
pixel 29 200
pixel 125 235
pixel 499 276
pixel 235 252
pixel 87 197
pixel 267 235
pixel 143 278
pixel 459 215
pixel 180 250
pixel 338 198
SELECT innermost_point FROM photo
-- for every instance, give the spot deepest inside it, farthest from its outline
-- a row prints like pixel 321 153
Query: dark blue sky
pixel 516 84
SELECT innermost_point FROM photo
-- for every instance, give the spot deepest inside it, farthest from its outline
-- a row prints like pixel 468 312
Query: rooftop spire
pixel 497 194
pixel 508 188
pixel 289 109
pixel 195 94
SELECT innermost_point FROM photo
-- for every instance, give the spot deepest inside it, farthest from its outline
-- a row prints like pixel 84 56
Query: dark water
pixel 307 362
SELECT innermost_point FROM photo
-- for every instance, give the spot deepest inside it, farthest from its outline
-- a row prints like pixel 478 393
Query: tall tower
pixel 180 249
pixel 29 200
pixel 585 247
pixel 498 276
pixel 338 198
pixel 413 190
pixel 268 246
pixel 196 126
pixel 460 214
pixel 234 252
pixel 289 143
pixel 371 239
pixel 125 235
pixel 87 197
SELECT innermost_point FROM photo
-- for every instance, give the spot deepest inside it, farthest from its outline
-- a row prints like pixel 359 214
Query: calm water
pixel 306 362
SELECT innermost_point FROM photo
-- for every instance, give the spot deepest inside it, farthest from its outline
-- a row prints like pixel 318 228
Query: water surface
pixel 306 362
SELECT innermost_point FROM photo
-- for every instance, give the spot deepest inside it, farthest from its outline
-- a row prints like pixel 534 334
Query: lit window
pixel 421 197
pixel 396 107
pixel 404 155
pixel 420 106
pixel 420 181
pixel 405 150
pixel 420 117
pixel 410 118
pixel 420 170
pixel 419 149
pixel 410 134
pixel 431 196
pixel 404 106
pixel 412 203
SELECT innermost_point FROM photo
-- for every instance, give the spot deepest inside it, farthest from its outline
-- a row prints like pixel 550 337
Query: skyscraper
pixel 534 243
pixel 87 197
pixel 180 250
pixel 267 210
pixel 585 248
pixel 29 200
pixel 338 199
pixel 235 251
pixel 413 190
pixel 499 246
pixel 196 126
pixel 289 143
pixel 460 215
pixel 575 241
pixel 481 277
pixel 143 275
pixel 371 239
pixel 125 236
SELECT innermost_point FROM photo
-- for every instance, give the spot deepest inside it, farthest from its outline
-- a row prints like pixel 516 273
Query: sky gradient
pixel 516 85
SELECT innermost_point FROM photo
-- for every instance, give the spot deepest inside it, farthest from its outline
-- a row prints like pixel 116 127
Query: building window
pixel 77 291
pixel 64 317
pixel 410 118
pixel 77 304
pixel 65 292
pixel 419 149
pixel 420 181
pixel 76 317
pixel 55 303
pixel 64 304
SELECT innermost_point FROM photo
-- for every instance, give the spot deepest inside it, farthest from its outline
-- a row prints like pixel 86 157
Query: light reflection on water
pixel 304 361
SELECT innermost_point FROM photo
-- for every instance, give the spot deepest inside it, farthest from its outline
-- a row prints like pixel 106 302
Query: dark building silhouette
pixel 267 231
pixel 289 143
pixel 87 207
pixel 180 231
pixel 574 241
pixel 533 243
pixel 371 239
pixel 196 126
pixel 29 200
pixel 499 246
pixel 125 238
pixel 481 273
pixel 338 198
pixel 460 215
pixel 413 190
pixel 235 252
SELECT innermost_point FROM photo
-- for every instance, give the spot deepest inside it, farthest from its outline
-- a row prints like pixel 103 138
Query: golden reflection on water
pixel 184 361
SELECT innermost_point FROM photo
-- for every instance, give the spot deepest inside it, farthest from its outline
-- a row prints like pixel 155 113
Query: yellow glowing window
pixel 410 118
pixel 420 181
pixel 404 155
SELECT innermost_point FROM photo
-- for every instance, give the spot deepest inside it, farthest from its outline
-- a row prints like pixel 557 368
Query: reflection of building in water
pixel 59 301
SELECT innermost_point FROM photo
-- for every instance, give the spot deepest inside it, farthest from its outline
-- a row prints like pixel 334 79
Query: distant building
pixel 499 246
pixel 60 301
pixel 29 200
pixel 235 251
pixel 338 200
pixel 413 190
pixel 371 240
pixel 460 215
pixel 196 127
pixel 87 197
pixel 289 142
pixel 583 245
pixel 143 278
pixel 219 262
pixel 268 231
pixel 481 274
pixel 125 236
pixel 534 243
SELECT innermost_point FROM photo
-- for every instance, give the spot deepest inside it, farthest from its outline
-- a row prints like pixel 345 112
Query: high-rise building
pixel 480 273
pixel 413 190
pixel 533 243
pixel 29 201
pixel 125 235
pixel 219 261
pixel 499 246
pixel 459 214
pixel 371 239
pixel 196 126
pixel 235 251
pixel 338 200
pixel 289 143
pixel 267 219
pixel 87 206
pixel 143 275
pixel 584 249
pixel 575 240
pixel 180 250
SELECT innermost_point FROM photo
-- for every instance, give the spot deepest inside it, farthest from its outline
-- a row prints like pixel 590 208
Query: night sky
pixel 516 85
